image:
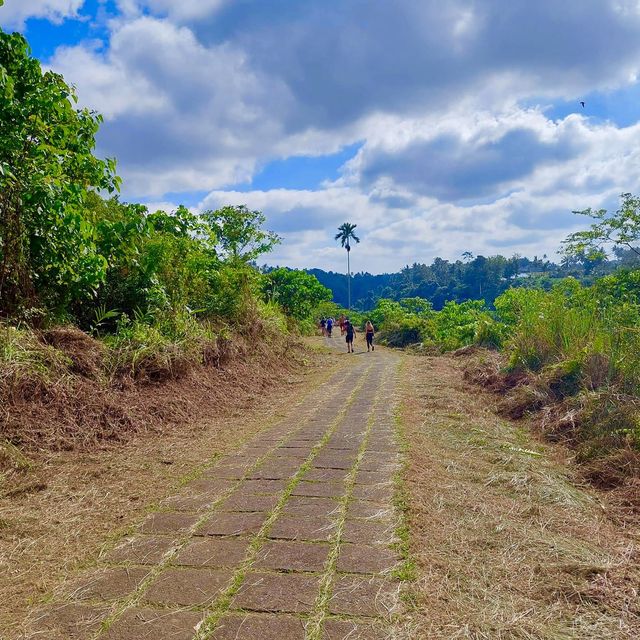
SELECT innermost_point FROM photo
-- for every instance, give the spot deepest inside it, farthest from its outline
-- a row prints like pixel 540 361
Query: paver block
pixel 382 445
pixel 295 453
pixel 349 442
pixel 251 451
pixel 283 555
pixel 232 524
pixel 332 460
pixel 275 470
pixel 153 624
pixel 262 627
pixel 108 584
pixel 362 558
pixel 378 492
pixel 211 484
pixel 187 587
pixel 312 528
pixel 230 472
pixel 170 522
pixel 66 621
pixel 319 489
pixel 368 597
pixel 213 552
pixel 354 630
pixel 306 506
pixel 375 465
pixel 300 443
pixel 249 502
pixel 263 486
pixel 189 501
pixel 141 550
pixel 382 457
pixel 368 532
pixel 373 477
pixel 319 474
pixel 283 592
pixel 243 456
pixel 370 510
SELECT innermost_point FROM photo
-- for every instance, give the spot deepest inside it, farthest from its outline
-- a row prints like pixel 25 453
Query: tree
pixel 239 233
pixel 297 292
pixel 48 254
pixel 345 234
pixel 620 229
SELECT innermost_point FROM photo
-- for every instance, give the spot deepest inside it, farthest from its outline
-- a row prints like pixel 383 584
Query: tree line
pixel 470 277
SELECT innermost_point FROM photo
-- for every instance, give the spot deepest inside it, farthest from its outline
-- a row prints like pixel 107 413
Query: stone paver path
pixel 290 537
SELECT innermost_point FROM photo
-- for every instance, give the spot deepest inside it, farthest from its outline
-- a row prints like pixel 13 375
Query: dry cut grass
pixel 508 544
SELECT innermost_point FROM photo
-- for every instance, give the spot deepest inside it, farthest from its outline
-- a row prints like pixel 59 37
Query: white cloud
pixel 179 116
pixel 14 12
pixel 179 11
pixel 198 95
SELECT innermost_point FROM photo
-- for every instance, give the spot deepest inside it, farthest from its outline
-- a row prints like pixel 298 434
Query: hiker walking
pixel 329 326
pixel 323 325
pixel 350 330
pixel 342 322
pixel 369 332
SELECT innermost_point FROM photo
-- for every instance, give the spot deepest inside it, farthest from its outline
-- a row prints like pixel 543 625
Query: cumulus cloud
pixel 14 12
pixel 199 95
pixel 184 10
pixel 179 115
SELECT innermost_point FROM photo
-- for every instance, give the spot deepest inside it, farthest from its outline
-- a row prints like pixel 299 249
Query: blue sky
pixel 436 127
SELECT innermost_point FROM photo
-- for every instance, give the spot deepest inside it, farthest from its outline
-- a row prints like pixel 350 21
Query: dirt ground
pixel 506 542
pixel 55 517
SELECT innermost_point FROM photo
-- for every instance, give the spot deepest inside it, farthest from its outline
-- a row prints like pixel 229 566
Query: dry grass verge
pixel 60 506
pixel 507 542
pixel 598 422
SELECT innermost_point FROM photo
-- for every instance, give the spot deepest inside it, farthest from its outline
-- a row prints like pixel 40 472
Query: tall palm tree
pixel 346 233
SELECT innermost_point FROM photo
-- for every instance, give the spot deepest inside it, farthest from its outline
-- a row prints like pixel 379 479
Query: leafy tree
pixel 346 232
pixel 239 233
pixel 618 230
pixel 297 292
pixel 48 253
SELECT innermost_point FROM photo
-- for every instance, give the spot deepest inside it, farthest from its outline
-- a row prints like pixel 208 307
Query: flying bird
pixel 582 103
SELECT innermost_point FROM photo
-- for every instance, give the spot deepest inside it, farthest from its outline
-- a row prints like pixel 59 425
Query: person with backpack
pixel 329 326
pixel 323 325
pixel 351 332
pixel 369 332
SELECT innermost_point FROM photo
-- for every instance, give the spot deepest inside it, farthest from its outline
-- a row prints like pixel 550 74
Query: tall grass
pixel 587 326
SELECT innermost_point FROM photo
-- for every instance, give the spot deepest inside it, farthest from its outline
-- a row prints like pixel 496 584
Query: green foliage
pixel 48 253
pixel 595 326
pixel 239 233
pixel 413 321
pixel 67 252
pixel 297 292
pixel 620 229
pixel 458 325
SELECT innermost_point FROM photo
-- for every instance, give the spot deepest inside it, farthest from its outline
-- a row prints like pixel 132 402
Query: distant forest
pixel 471 278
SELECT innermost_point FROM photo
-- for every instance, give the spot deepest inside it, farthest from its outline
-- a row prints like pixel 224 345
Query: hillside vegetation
pixel 569 356
pixel 98 295
pixel 471 278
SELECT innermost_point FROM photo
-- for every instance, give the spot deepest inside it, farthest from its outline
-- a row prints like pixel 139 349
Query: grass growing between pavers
pixel 184 540
pixel 315 627
pixel 223 603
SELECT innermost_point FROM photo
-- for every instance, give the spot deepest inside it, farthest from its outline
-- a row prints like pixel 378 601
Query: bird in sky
pixel 582 103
